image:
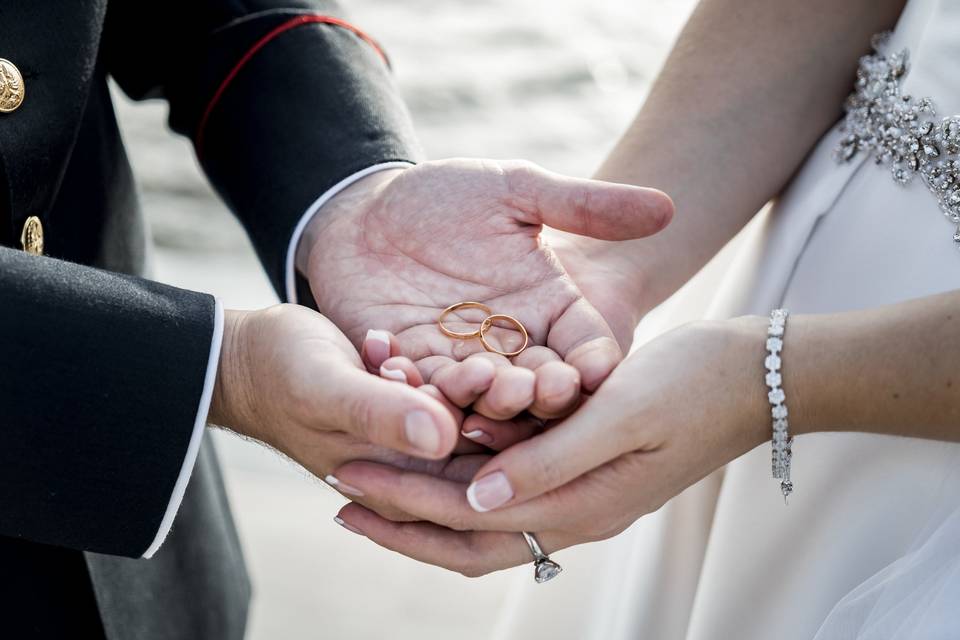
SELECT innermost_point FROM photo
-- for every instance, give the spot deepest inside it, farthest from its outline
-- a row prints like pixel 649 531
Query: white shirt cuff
pixel 291 281
pixel 196 437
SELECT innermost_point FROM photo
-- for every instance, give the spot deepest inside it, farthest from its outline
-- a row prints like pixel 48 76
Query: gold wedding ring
pixel 484 327
pixel 488 322
pixel 457 307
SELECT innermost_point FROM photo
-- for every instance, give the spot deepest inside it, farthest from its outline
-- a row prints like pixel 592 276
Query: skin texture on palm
pixel 607 277
pixel 395 249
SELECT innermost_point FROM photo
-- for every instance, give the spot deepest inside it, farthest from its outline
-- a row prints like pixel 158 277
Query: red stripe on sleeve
pixel 261 43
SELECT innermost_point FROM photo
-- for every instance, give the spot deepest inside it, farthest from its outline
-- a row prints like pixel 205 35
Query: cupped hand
pixel 290 379
pixel 396 248
pixel 677 409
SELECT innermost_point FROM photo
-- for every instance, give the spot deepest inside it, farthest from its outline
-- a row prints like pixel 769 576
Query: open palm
pixel 396 249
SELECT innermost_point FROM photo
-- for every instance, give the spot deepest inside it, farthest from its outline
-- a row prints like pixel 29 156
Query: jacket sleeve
pixel 100 391
pixel 283 99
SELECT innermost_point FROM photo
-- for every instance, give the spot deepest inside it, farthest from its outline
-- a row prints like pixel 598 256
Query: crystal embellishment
pixel 901 130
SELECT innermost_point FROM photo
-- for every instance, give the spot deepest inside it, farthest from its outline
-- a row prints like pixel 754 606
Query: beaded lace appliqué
pixel 902 130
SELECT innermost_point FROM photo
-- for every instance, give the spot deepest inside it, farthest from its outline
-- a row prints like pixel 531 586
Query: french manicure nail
pixel 478 435
pixel 342 487
pixel 422 432
pixel 393 374
pixel 489 492
pixel 378 346
pixel 346 525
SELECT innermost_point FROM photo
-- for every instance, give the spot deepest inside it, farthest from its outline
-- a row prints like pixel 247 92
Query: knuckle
pixel 596 529
pixel 359 417
pixel 542 474
pixel 458 522
pixel 470 570
pixel 599 526
pixel 473 565
pixel 580 203
pixel 521 180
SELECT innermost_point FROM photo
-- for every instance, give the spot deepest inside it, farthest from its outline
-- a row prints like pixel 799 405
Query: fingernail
pixel 342 487
pixel 393 374
pixel 378 346
pixel 489 492
pixel 346 525
pixel 478 435
pixel 422 432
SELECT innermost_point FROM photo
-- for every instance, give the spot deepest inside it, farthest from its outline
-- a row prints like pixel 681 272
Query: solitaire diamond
pixel 545 570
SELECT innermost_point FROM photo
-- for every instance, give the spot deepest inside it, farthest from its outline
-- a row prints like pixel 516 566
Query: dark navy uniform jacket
pixel 101 371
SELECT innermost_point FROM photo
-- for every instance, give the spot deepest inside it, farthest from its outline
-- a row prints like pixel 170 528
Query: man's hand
pixel 395 249
pixel 289 378
pixel 608 278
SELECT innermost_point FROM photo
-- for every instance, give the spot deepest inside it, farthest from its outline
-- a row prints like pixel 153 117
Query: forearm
pixel 891 370
pixel 745 94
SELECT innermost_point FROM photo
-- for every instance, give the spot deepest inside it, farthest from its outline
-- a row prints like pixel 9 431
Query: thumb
pixel 602 210
pixel 390 414
pixel 588 439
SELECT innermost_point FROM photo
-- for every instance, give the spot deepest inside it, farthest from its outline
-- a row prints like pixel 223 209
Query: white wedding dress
pixel 869 545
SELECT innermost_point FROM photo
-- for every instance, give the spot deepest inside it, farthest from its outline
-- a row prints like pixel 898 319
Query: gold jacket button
pixel 32 236
pixel 11 87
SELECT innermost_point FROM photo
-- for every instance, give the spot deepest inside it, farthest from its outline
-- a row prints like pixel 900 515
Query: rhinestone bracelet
pixel 782 442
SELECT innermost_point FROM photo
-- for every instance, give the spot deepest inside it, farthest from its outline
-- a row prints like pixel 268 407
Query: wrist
pixel 230 404
pixel 346 202
pixel 747 336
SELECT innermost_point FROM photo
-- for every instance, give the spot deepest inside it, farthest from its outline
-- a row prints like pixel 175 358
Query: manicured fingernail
pixel 342 487
pixel 478 435
pixel 378 346
pixel 422 432
pixel 489 492
pixel 393 374
pixel 346 525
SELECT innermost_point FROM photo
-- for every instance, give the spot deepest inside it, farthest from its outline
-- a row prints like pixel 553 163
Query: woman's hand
pixel 673 412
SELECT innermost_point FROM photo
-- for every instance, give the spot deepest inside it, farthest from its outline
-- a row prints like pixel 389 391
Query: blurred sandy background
pixel 551 81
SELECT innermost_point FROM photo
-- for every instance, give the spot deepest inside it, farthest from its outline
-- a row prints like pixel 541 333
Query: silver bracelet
pixel 782 443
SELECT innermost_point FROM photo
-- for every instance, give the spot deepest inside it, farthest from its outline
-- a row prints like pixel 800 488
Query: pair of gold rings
pixel 481 332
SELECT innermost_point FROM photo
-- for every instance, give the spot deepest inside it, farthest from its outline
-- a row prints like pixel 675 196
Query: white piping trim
pixel 198 427
pixel 290 281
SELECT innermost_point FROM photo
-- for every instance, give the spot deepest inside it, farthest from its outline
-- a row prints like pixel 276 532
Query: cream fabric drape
pixel 727 559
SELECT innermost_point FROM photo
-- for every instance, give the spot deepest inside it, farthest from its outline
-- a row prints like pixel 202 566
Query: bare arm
pixel 892 370
pixel 749 88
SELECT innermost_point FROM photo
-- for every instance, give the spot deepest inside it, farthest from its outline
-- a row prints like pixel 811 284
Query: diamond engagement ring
pixel 544 568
